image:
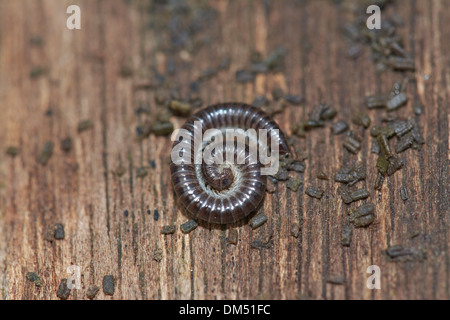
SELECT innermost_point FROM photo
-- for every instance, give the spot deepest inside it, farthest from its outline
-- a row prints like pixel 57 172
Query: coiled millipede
pixel 226 192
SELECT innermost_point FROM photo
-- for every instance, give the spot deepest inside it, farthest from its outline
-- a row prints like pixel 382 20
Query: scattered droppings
pixel 243 76
pixel 376 102
pixel 339 127
pixel 180 108
pixel 379 181
pixel 260 101
pixel 120 171
pixel 398 253
pixel 92 292
pixel 108 285
pixel 59 233
pixel 322 176
pixel 63 291
pixel 66 145
pixel 346 236
pixel 352 145
pixel 336 279
pixel 360 194
pixel 169 229
pixel 404 143
pixel 262 243
pixel 314 192
pixel 295 230
pixel 54 232
pixel 37 71
pixel 293 99
pixel 418 108
pixel 46 153
pixel 158 254
pixel 384 146
pixel 232 236
pixel 84 125
pixel 404 193
pixel 258 220
pixel 35 278
pixel 189 226
pixel 401 64
pixel 155 215
pixel 294 183
pixel 12 151
pixel 141 172
pixel 375 147
pixel 126 213
pixel 345 194
pixel 396 102
pixel 162 128
pixel 362 216
pixel 361 119
pixel 296 165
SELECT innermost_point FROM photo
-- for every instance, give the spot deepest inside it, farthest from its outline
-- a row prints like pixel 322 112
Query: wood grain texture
pixel 79 189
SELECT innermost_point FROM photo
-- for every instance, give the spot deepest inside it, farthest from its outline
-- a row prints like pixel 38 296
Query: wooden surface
pixel 83 80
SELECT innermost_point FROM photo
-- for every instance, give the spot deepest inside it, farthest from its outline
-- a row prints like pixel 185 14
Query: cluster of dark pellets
pixel 320 113
pixel 54 232
pixel 64 291
pixel 278 103
pixel 386 45
pixel 274 62
pixel 398 253
pixel 35 278
pixel 289 170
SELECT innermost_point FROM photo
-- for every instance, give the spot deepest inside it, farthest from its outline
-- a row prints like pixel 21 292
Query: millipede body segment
pixel 229 191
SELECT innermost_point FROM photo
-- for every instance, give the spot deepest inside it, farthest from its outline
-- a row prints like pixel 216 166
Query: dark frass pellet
pixel 92 292
pixel 345 194
pixel 85 125
pixel 155 215
pixel 46 153
pixel 277 93
pixel 294 183
pixel 243 76
pixel 189 226
pixel 343 177
pixel 141 172
pixel 157 254
pixel 327 113
pixel 360 194
pixel 401 64
pixel 375 147
pixel 386 131
pixel 376 102
pixel 314 192
pixel 404 193
pixel 395 164
pixel 382 164
pixel 260 101
pixel 293 99
pixel 379 181
pixel 296 165
pixel 12 151
pixel 162 128
pixel 232 236
pixel 402 127
pixel 35 278
pixel 258 221
pixel 169 229
pixel 396 102
pixel 108 285
pixel 336 279
pixel 352 145
pixel 322 176
pixel 415 132
pixel 404 143
pixel 181 108
pixel 362 216
pixel 339 127
pixel 384 146
pixel 361 119
pixel 346 236
pixel 63 290
pixel 66 145
pixel 295 230
pixel 59 233
pixel 398 251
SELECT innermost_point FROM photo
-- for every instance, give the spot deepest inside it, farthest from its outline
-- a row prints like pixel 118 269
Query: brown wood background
pixel 83 81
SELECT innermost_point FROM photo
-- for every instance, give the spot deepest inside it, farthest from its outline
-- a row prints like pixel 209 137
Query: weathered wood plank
pixel 109 219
